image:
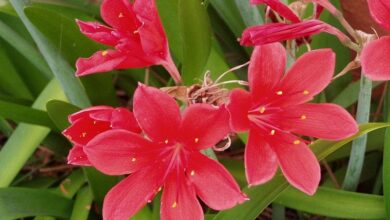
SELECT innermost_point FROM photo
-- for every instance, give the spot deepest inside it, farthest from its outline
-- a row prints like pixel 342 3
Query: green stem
pixel 356 159
pixel 5 127
pixel 278 212
pixel 82 205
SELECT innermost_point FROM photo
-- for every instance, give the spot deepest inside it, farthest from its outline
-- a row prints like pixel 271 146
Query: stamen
pixel 69 137
pixel 133 159
pixel 121 15
pixel 303 117
pixel 279 93
pixel 83 134
pixel 159 189
pixel 196 140
pixel 94 122
pixel 296 142
pixel 136 32
pixel 174 205
pixel 166 141
pixel 262 110
pixel 192 173
pixel 273 132
pixel 306 92
pixel 104 53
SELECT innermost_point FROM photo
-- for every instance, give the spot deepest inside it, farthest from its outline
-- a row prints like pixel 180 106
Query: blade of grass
pixel 358 150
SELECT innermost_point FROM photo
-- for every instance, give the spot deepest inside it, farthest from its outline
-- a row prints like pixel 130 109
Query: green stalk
pixel 82 205
pixel 5 127
pixel 386 159
pixel 355 165
pixel 26 138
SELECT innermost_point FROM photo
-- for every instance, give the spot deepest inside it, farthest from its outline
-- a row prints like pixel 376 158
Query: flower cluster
pixel 159 145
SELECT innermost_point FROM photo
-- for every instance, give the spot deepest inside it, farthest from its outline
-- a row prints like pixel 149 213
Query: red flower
pixel 168 156
pixel 275 110
pixel 375 57
pixel 274 32
pixel 88 123
pixel 136 33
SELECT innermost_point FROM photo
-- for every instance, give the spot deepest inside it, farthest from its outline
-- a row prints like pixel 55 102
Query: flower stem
pixel 355 165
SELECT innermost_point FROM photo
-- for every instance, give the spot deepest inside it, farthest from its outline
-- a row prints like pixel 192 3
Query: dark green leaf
pixel 25 202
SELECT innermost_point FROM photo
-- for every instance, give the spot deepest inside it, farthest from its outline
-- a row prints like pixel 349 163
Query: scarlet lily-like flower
pixel 375 57
pixel 136 33
pixel 274 32
pixel 275 111
pixel 167 157
pixel 88 123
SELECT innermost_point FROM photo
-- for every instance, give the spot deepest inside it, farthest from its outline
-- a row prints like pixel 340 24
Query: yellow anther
pixel 262 110
pixel 192 173
pixel 273 132
pixel 83 134
pixel 303 117
pixel 196 140
pixel 306 92
pixel 296 142
pixel 121 15
pixel 159 189
pixel 94 122
pixel 174 205
pixel 133 159
pixel 104 53
pixel 279 93
pixel 135 32
pixel 166 141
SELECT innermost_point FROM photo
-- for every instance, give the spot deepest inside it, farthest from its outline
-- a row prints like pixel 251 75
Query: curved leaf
pixel 25 202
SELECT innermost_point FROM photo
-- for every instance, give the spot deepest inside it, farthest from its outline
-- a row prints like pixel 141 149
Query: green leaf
pixel 20 113
pixel 249 13
pixel 229 12
pixel 58 112
pixel 26 138
pixel 25 202
pixel 82 204
pixel 196 34
pixel 24 48
pixel 335 203
pixel 263 195
pixel 61 69
pixel 10 81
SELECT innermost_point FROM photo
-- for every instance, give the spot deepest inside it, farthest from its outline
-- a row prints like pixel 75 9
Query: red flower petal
pixel 118 152
pixel 239 104
pixel 77 156
pixel 274 32
pixel 119 14
pixel 280 8
pixel 98 32
pixel 179 199
pixel 153 38
pixel 124 119
pixel 213 183
pixel 298 163
pixel 260 160
pixel 380 11
pixel 132 193
pixel 308 76
pixel 327 121
pixel 84 129
pixel 375 59
pixel 157 113
pixel 87 111
pixel 266 68
pixel 101 61
pixel 203 126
